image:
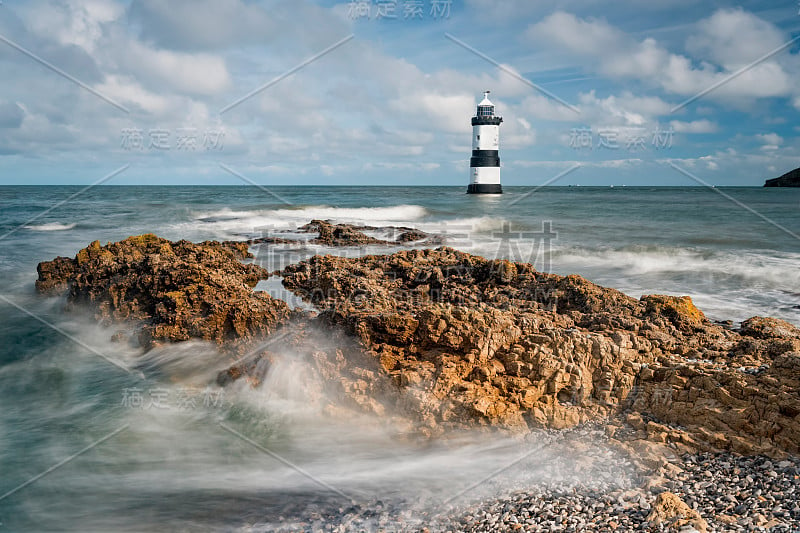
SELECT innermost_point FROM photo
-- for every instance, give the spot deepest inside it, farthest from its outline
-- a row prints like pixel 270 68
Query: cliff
pixel 790 179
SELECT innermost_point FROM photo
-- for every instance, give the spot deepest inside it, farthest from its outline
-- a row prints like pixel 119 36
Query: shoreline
pixel 490 344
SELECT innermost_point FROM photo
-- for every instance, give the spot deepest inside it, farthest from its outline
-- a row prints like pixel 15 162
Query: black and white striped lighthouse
pixel 484 165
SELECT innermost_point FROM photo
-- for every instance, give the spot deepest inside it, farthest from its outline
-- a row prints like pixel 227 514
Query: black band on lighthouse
pixel 486 153
pixel 486 121
pixel 484 161
pixel 484 188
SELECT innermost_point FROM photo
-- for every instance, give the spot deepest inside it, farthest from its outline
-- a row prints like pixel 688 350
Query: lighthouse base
pixel 484 188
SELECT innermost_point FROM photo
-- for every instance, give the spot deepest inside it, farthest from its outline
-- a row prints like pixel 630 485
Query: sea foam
pixel 51 226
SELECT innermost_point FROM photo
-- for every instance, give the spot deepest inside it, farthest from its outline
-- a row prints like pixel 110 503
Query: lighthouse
pixel 484 165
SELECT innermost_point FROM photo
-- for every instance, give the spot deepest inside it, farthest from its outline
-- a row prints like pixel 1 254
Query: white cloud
pixel 78 23
pixel 446 110
pixel 770 138
pixel 710 161
pixel 734 38
pixel 623 110
pixel 128 91
pixel 372 104
pixel 193 24
pixel 197 73
pixel 608 163
pixel 613 53
pixel 695 126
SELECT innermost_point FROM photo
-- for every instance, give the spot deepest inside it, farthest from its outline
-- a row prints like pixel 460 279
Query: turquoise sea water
pixel 736 251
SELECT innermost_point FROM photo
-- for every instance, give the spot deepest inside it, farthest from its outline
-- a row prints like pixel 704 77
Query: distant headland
pixel 790 179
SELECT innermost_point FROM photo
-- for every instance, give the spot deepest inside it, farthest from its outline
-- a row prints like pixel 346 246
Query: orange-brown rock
pixel 491 342
pixel 453 339
pixel 176 290
pixel 761 327
pixel 339 234
pixel 672 513
pixel 351 235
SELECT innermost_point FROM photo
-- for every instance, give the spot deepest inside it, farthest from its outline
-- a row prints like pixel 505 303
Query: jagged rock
pixel 177 290
pixel 451 339
pixel 54 275
pixel 339 234
pixel 412 235
pixel 671 512
pixel 680 310
pixel 351 235
pixel 761 327
pixel 490 342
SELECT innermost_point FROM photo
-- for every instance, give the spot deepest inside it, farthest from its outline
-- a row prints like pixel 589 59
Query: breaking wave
pixel 230 221
pixel 51 226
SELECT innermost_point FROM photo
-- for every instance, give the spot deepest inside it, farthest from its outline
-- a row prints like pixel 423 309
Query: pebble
pixel 750 493
pixel 747 492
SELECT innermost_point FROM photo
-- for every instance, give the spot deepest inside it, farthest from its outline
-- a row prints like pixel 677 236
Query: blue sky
pixel 628 90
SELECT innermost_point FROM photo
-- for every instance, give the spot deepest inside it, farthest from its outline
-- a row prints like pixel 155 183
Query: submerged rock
pixel 344 235
pixel 352 235
pixel 339 234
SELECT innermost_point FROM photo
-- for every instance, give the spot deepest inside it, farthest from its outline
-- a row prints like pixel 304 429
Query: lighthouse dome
pixel 486 107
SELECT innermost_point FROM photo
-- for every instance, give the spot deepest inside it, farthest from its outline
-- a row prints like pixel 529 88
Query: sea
pixel 156 445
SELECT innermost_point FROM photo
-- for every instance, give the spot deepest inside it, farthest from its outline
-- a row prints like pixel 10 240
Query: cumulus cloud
pixel 695 126
pixel 188 73
pixel 201 24
pixel 770 138
pixel 734 38
pixel 395 98
pixel 295 27
pixel 614 53
pixel 770 142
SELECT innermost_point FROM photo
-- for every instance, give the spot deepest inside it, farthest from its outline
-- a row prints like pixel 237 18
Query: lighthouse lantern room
pixel 485 161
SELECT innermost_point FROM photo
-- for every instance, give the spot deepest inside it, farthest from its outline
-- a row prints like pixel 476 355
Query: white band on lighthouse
pixel 485 161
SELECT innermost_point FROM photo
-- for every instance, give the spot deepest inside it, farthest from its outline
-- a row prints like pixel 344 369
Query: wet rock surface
pixel 445 339
pixel 348 235
pixel 455 340
pixel 174 290
pixel 490 342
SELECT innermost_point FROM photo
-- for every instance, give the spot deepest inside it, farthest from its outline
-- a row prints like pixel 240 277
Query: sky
pixel 229 92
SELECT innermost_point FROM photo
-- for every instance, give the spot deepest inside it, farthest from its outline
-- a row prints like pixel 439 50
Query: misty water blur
pixel 174 465
pixel 176 459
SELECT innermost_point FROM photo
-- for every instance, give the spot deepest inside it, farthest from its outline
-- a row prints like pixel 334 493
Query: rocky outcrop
pixel 175 290
pixel 477 341
pixel 341 235
pixel 790 179
pixel 448 339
